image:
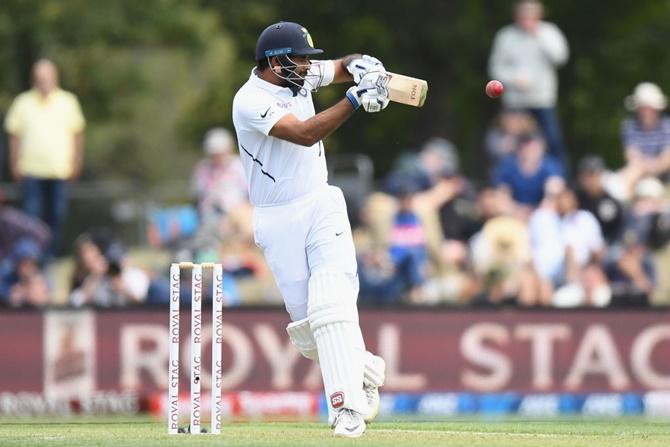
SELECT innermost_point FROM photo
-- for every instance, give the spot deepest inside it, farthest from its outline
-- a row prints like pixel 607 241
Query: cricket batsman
pixel 300 221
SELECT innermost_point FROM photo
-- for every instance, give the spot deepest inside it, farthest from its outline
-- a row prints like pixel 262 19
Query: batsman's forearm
pixel 323 124
pixel 341 72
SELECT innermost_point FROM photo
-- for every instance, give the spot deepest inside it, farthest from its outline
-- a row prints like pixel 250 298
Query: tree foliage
pixel 153 75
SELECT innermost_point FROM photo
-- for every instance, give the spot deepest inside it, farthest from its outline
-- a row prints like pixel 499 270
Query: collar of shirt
pixel 270 87
pixel 42 99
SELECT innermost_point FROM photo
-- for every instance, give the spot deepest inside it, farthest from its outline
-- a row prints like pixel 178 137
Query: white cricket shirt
pixel 277 171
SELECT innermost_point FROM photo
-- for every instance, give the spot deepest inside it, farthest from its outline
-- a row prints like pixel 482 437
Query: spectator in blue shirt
pixel 646 135
pixel 527 175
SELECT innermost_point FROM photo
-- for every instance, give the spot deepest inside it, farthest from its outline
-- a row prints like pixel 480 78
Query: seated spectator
pixel 218 180
pixel 105 279
pixel 528 174
pixel 26 285
pixel 438 155
pixel 501 256
pixel 594 198
pixel 647 228
pixel 568 249
pixel 398 268
pixel 646 136
pixel 502 139
pixel 447 207
pixel 631 271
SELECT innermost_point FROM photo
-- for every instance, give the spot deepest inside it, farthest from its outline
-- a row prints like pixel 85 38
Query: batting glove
pixel 362 65
pixel 371 92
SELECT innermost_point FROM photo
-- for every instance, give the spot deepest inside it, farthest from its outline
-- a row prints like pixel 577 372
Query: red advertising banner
pixel 62 354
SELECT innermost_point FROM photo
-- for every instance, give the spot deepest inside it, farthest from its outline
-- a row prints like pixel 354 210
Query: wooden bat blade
pixel 407 90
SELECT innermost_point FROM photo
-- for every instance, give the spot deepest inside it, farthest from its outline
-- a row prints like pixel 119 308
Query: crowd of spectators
pixel 530 233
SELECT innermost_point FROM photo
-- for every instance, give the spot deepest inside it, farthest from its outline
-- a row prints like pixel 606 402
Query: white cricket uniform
pixel 300 222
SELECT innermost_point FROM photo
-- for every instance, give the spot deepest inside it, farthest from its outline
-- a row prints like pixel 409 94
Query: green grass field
pixel 462 432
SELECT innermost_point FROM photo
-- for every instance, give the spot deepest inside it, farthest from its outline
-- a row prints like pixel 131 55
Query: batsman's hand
pixel 359 67
pixel 371 92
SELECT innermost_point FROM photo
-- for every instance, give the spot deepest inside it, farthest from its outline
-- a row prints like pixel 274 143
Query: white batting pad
pixel 301 336
pixel 333 318
pixel 375 370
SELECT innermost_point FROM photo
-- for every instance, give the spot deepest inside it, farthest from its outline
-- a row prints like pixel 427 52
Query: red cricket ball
pixel 494 89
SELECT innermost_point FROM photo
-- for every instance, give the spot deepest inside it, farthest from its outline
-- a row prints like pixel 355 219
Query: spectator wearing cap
pixel 529 174
pixel 525 57
pixel 46 146
pixel 593 197
pixel 449 203
pixel 646 135
pixel 218 180
pixel 25 285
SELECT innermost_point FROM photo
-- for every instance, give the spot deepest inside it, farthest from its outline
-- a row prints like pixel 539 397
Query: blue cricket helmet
pixel 285 39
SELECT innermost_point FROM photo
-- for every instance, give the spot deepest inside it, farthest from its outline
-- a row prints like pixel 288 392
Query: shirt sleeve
pixel 501 63
pixel 324 70
pixel 13 121
pixel 553 43
pixel 259 113
pixel 77 122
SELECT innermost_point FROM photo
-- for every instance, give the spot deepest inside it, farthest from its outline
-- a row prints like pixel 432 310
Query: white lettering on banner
pixel 487 348
pixel 134 359
pixel 282 358
pixel 474 350
pixel 541 337
pixel 389 350
pixel 640 356
pixel 597 354
pixel 239 364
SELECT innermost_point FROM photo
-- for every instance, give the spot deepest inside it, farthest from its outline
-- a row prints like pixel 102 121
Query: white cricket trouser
pixel 305 236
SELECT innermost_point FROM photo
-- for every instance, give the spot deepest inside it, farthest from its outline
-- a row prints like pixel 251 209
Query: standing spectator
pixel 525 56
pixel 218 180
pixel 646 136
pixel 46 145
pixel 530 173
pixel 594 198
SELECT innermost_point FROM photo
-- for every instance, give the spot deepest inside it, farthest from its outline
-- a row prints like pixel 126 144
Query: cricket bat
pixel 407 90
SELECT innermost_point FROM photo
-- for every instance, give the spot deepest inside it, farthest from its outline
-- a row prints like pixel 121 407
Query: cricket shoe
pixel 348 424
